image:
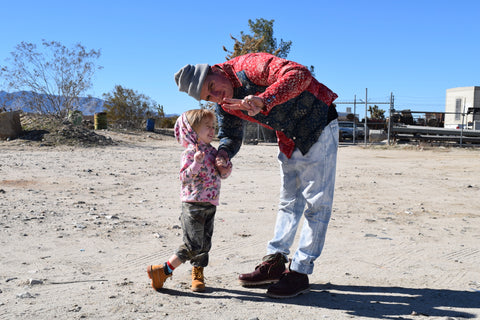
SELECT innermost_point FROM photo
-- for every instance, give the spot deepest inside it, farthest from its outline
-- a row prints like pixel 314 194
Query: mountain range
pixel 13 101
pixel 88 105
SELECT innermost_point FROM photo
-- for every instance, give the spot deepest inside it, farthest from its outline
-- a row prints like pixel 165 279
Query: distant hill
pixel 88 106
pixel 13 101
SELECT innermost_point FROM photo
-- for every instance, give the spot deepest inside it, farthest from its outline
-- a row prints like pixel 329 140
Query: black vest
pixel 301 119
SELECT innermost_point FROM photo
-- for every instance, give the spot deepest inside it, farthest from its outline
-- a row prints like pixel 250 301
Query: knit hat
pixel 190 79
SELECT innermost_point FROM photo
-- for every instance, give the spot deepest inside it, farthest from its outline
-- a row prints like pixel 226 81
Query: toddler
pixel 200 176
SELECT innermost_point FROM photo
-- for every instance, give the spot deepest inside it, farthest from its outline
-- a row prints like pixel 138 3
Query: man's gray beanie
pixel 190 79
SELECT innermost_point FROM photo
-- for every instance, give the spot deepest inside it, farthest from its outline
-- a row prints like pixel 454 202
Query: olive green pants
pixel 197 221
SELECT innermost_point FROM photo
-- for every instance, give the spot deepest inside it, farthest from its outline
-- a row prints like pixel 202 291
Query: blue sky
pixel 413 49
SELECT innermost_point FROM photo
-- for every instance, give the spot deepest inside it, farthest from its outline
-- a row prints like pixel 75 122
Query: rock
pixel 75 308
pixel 10 126
pixel 25 295
pixel 34 282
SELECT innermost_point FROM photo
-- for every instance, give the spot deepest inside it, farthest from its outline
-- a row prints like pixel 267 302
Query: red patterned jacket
pixel 297 105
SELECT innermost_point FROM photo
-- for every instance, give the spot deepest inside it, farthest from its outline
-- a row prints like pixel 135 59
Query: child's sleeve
pixel 190 167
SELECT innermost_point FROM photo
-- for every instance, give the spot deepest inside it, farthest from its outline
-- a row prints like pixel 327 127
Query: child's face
pixel 206 130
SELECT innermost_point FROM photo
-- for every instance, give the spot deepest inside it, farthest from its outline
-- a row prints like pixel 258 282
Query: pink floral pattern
pixel 200 181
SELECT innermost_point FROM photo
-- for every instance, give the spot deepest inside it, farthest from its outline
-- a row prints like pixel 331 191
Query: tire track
pixel 463 255
pixel 159 256
pixel 406 256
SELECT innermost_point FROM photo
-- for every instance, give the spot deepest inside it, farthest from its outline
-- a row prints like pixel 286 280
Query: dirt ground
pixel 80 225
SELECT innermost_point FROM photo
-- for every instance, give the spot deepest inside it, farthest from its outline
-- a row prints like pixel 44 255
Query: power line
pixel 360 102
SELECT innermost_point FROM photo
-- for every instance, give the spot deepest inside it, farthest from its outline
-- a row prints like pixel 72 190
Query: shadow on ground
pixel 364 301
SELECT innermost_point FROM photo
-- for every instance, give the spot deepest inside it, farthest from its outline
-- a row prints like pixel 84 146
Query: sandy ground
pixel 78 227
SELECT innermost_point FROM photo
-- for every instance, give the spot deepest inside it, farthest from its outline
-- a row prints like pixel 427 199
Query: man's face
pixel 216 87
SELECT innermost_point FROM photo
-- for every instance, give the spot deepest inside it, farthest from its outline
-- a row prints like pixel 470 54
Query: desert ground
pixel 80 225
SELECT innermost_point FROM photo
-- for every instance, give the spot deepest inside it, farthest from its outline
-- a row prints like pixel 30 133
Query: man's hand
pixel 252 104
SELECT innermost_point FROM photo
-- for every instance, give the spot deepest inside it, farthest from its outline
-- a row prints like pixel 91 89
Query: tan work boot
pixel 198 281
pixel 158 276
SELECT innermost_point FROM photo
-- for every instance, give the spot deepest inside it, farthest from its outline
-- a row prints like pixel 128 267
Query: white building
pixel 466 101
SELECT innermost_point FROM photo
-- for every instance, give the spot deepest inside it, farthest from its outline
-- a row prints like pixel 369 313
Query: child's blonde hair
pixel 196 116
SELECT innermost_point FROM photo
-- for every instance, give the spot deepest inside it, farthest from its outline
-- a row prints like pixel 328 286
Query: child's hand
pixel 199 156
pixel 221 162
pixel 222 159
pixel 224 167
pixel 224 171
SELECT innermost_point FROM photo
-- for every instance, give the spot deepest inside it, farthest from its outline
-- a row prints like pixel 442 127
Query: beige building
pixel 464 100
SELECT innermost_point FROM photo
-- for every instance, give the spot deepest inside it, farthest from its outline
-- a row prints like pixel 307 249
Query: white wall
pixel 460 99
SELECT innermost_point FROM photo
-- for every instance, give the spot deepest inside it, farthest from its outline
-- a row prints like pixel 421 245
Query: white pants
pixel 308 183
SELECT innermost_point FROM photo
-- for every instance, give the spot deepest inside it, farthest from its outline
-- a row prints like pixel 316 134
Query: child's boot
pixel 158 275
pixel 198 281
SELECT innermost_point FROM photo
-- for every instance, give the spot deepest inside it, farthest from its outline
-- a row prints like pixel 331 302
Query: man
pixel 281 95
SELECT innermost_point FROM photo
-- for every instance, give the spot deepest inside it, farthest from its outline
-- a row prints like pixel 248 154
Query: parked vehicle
pixel 361 127
pixel 346 130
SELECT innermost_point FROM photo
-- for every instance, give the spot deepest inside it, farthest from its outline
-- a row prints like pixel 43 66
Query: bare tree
pixel 52 79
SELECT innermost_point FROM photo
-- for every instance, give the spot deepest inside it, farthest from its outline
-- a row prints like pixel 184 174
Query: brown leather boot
pixel 198 281
pixel 290 285
pixel 269 271
pixel 158 275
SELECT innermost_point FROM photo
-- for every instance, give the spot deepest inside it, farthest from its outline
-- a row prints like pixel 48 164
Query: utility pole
pixel 366 107
pixel 354 102
pixel 463 119
pixel 391 110
pixel 354 117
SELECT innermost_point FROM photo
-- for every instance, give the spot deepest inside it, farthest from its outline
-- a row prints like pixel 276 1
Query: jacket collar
pixel 230 73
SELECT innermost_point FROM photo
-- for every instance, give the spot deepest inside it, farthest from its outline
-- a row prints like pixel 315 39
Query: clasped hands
pixel 224 166
pixel 252 104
